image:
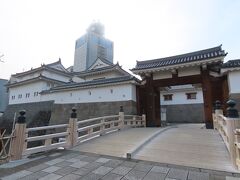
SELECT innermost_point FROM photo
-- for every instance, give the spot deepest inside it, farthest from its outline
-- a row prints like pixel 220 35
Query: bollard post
pixel 72 129
pixel 19 142
pixel 233 123
pixel 218 111
pixel 121 118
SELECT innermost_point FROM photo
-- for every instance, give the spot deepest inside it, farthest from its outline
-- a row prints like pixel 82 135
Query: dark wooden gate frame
pixel 148 95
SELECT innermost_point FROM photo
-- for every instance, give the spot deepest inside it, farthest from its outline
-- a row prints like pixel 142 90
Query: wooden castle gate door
pixel 148 95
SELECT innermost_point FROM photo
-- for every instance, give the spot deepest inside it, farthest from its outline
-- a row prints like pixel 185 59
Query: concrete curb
pixel 131 154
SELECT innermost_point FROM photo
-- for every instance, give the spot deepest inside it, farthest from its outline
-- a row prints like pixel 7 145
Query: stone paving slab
pixel 17 175
pixel 155 176
pixel 94 167
pixel 121 170
pixel 50 176
pixel 35 176
pixel 180 174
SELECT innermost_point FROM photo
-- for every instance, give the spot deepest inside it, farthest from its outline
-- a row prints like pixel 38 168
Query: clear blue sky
pixel 40 31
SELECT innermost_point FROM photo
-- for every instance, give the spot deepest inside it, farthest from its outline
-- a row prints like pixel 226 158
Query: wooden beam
pixel 195 79
pixel 207 98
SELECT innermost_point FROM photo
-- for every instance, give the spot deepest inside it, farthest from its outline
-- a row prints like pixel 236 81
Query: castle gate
pixel 200 67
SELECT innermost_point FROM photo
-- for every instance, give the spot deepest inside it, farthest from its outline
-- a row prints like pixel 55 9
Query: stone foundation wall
pixel 44 113
pixel 236 97
pixel 37 113
pixel 185 113
pixel 61 112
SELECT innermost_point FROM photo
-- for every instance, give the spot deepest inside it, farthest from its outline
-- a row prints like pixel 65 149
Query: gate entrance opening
pixel 200 67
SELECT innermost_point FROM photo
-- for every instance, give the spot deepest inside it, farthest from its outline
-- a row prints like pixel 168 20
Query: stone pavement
pixel 71 165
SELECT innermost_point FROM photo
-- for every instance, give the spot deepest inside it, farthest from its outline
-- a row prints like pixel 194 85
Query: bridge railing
pixel 26 141
pixel 229 129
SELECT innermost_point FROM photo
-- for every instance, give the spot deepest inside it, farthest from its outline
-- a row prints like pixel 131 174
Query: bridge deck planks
pixel 189 145
pixel 117 143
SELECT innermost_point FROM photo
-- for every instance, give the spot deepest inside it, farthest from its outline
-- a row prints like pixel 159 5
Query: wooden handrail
pixel 227 128
pixel 105 124
pixel 48 136
pixel 47 127
pixel 96 119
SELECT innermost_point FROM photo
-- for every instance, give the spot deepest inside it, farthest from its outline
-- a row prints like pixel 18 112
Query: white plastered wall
pixel 234 82
pixel 181 98
pixel 103 75
pixel 27 88
pixel 123 92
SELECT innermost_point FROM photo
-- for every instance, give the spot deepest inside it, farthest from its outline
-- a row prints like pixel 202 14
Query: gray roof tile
pixel 231 63
pixel 183 58
pixel 94 82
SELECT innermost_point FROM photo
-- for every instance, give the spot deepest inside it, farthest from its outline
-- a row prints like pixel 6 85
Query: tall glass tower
pixel 92 46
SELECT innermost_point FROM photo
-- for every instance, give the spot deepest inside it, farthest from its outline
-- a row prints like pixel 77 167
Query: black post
pixel 74 113
pixel 232 112
pixel 217 105
pixel 21 117
pixel 121 108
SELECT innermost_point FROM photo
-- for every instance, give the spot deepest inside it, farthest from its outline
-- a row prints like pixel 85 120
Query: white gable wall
pixel 98 64
pixel 111 74
pixel 234 82
pixel 55 76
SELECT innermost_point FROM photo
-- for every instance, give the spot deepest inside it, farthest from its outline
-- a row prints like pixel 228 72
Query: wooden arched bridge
pixel 127 136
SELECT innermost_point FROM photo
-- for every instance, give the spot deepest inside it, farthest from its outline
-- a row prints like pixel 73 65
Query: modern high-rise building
pixel 90 47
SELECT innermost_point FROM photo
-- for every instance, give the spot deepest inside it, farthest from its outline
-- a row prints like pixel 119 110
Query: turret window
pixel 167 97
pixel 191 95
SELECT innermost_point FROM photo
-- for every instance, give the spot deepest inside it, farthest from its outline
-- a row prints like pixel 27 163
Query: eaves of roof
pixel 94 83
pixel 41 77
pixel 43 67
pixel 103 60
pixel 193 58
pixel 231 64
pixel 99 71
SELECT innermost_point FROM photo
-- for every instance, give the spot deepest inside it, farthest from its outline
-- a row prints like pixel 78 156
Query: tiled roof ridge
pixel 35 78
pixel 103 60
pixel 53 63
pixel 194 53
pixel 95 70
pixel 39 68
pixel 231 63
pixel 96 82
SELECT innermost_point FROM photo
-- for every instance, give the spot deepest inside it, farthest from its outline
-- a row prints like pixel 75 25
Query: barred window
pixel 191 95
pixel 168 97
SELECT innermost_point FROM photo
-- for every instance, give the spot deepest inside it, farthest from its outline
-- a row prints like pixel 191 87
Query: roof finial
pixel 59 59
